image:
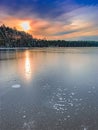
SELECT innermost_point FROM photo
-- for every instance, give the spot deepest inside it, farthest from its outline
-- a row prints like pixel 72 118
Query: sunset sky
pixel 52 19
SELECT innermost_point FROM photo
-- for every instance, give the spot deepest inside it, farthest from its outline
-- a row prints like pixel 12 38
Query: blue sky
pixel 53 19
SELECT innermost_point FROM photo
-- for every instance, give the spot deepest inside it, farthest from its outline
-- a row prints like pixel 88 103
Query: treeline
pixel 63 43
pixel 13 38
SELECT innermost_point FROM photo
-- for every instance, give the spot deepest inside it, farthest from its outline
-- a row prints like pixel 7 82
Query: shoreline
pixel 26 48
pixel 1 48
pixel 16 48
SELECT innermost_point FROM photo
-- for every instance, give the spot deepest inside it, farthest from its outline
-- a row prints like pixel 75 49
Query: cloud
pixel 41 8
pixel 80 21
pixel 52 19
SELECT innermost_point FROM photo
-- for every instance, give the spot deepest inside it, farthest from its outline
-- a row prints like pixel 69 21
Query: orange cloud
pixel 67 26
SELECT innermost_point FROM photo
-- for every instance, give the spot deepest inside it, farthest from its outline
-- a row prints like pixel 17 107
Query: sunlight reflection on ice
pixel 27 66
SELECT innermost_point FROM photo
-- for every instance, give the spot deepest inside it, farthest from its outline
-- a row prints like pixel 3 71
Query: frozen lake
pixel 49 89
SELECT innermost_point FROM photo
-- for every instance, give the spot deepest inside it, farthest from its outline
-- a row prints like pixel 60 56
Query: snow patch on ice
pixel 72 93
pixel 24 116
pixel 29 125
pixel 16 86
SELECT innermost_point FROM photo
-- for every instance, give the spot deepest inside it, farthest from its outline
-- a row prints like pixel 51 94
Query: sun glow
pixel 25 26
